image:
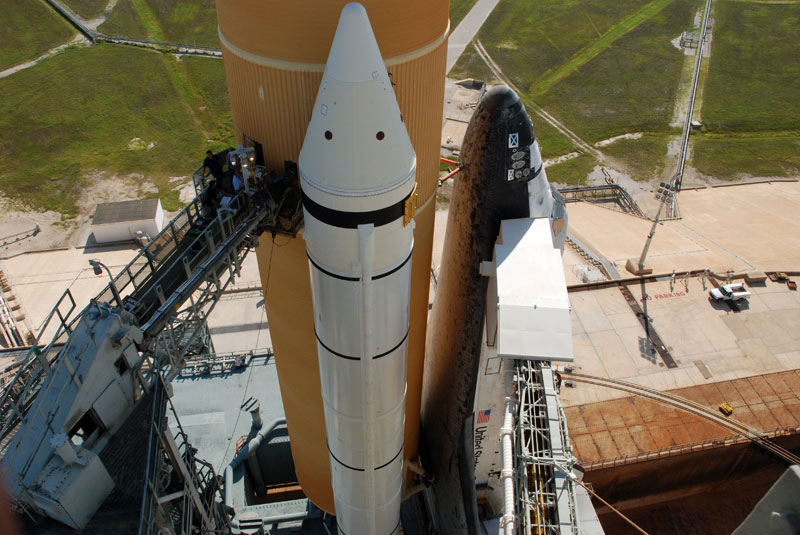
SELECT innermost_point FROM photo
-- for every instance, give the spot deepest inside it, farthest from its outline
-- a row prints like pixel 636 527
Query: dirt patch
pixel 18 231
pixel 101 187
pixel 609 141
pixel 29 231
pixel 563 158
pixel 187 192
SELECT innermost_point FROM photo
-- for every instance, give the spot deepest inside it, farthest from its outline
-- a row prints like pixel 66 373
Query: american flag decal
pixel 483 416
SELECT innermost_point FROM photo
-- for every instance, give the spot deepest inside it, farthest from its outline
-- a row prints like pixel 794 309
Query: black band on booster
pixel 340 219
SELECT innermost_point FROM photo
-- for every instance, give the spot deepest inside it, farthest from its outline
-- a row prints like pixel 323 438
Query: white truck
pixel 729 292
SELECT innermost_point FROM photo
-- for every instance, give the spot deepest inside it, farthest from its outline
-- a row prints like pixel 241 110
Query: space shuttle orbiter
pixel 502 179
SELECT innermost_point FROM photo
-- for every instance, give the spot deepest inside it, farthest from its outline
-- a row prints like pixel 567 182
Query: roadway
pixel 466 30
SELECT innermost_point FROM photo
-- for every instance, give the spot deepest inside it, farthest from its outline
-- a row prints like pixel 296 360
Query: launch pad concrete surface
pixel 744 355
pixel 747 227
pixel 709 342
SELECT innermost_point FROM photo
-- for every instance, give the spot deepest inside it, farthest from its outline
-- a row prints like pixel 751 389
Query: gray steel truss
pixel 543 457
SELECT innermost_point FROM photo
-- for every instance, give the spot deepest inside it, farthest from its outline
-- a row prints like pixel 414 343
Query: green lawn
pixel 527 38
pixel 471 65
pixel 597 46
pixel 753 155
pixel 751 104
pixel 572 172
pixel 602 68
pixel 207 77
pixel 70 124
pixel 124 21
pixel 552 142
pixel 29 29
pixel 458 10
pixel 754 77
pixel 192 22
pixel 644 157
pixel 629 87
pixel 88 9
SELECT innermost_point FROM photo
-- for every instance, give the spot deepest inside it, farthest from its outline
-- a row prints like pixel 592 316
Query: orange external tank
pixel 274 53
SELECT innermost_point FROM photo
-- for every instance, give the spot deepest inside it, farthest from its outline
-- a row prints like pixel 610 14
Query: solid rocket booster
pixel 357 171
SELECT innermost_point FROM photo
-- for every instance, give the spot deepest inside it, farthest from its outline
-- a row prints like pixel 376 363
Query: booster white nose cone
pixel 357 172
pixel 356 144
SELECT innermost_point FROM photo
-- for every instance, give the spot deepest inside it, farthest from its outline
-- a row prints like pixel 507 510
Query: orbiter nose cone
pixel 356 144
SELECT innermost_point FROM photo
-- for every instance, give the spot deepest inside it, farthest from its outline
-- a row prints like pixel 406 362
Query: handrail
pixel 26 373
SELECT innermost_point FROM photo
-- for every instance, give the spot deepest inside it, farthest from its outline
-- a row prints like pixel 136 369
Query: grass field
pixel 763 155
pixel 192 22
pixel 630 86
pixel 88 9
pixel 29 29
pixel 603 69
pixel 458 10
pixel 552 142
pixel 69 125
pixel 572 172
pixel 207 77
pixel 751 106
pixel 471 65
pixel 528 38
pixel 754 77
pixel 597 46
pixel 124 21
pixel 645 157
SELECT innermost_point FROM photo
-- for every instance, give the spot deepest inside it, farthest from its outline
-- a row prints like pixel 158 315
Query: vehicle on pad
pixel 729 292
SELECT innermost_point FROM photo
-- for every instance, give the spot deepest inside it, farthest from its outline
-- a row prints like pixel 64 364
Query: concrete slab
pixel 728 345
pixel 39 279
pixel 453 133
pixel 586 307
pixel 779 301
pixel 712 232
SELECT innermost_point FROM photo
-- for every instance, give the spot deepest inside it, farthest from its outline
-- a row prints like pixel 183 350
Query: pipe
pixel 255 414
pixel 246 451
pixel 285 517
pixel 258 477
pixel 276 519
pixel 452 173
pixel 507 473
pixel 15 339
